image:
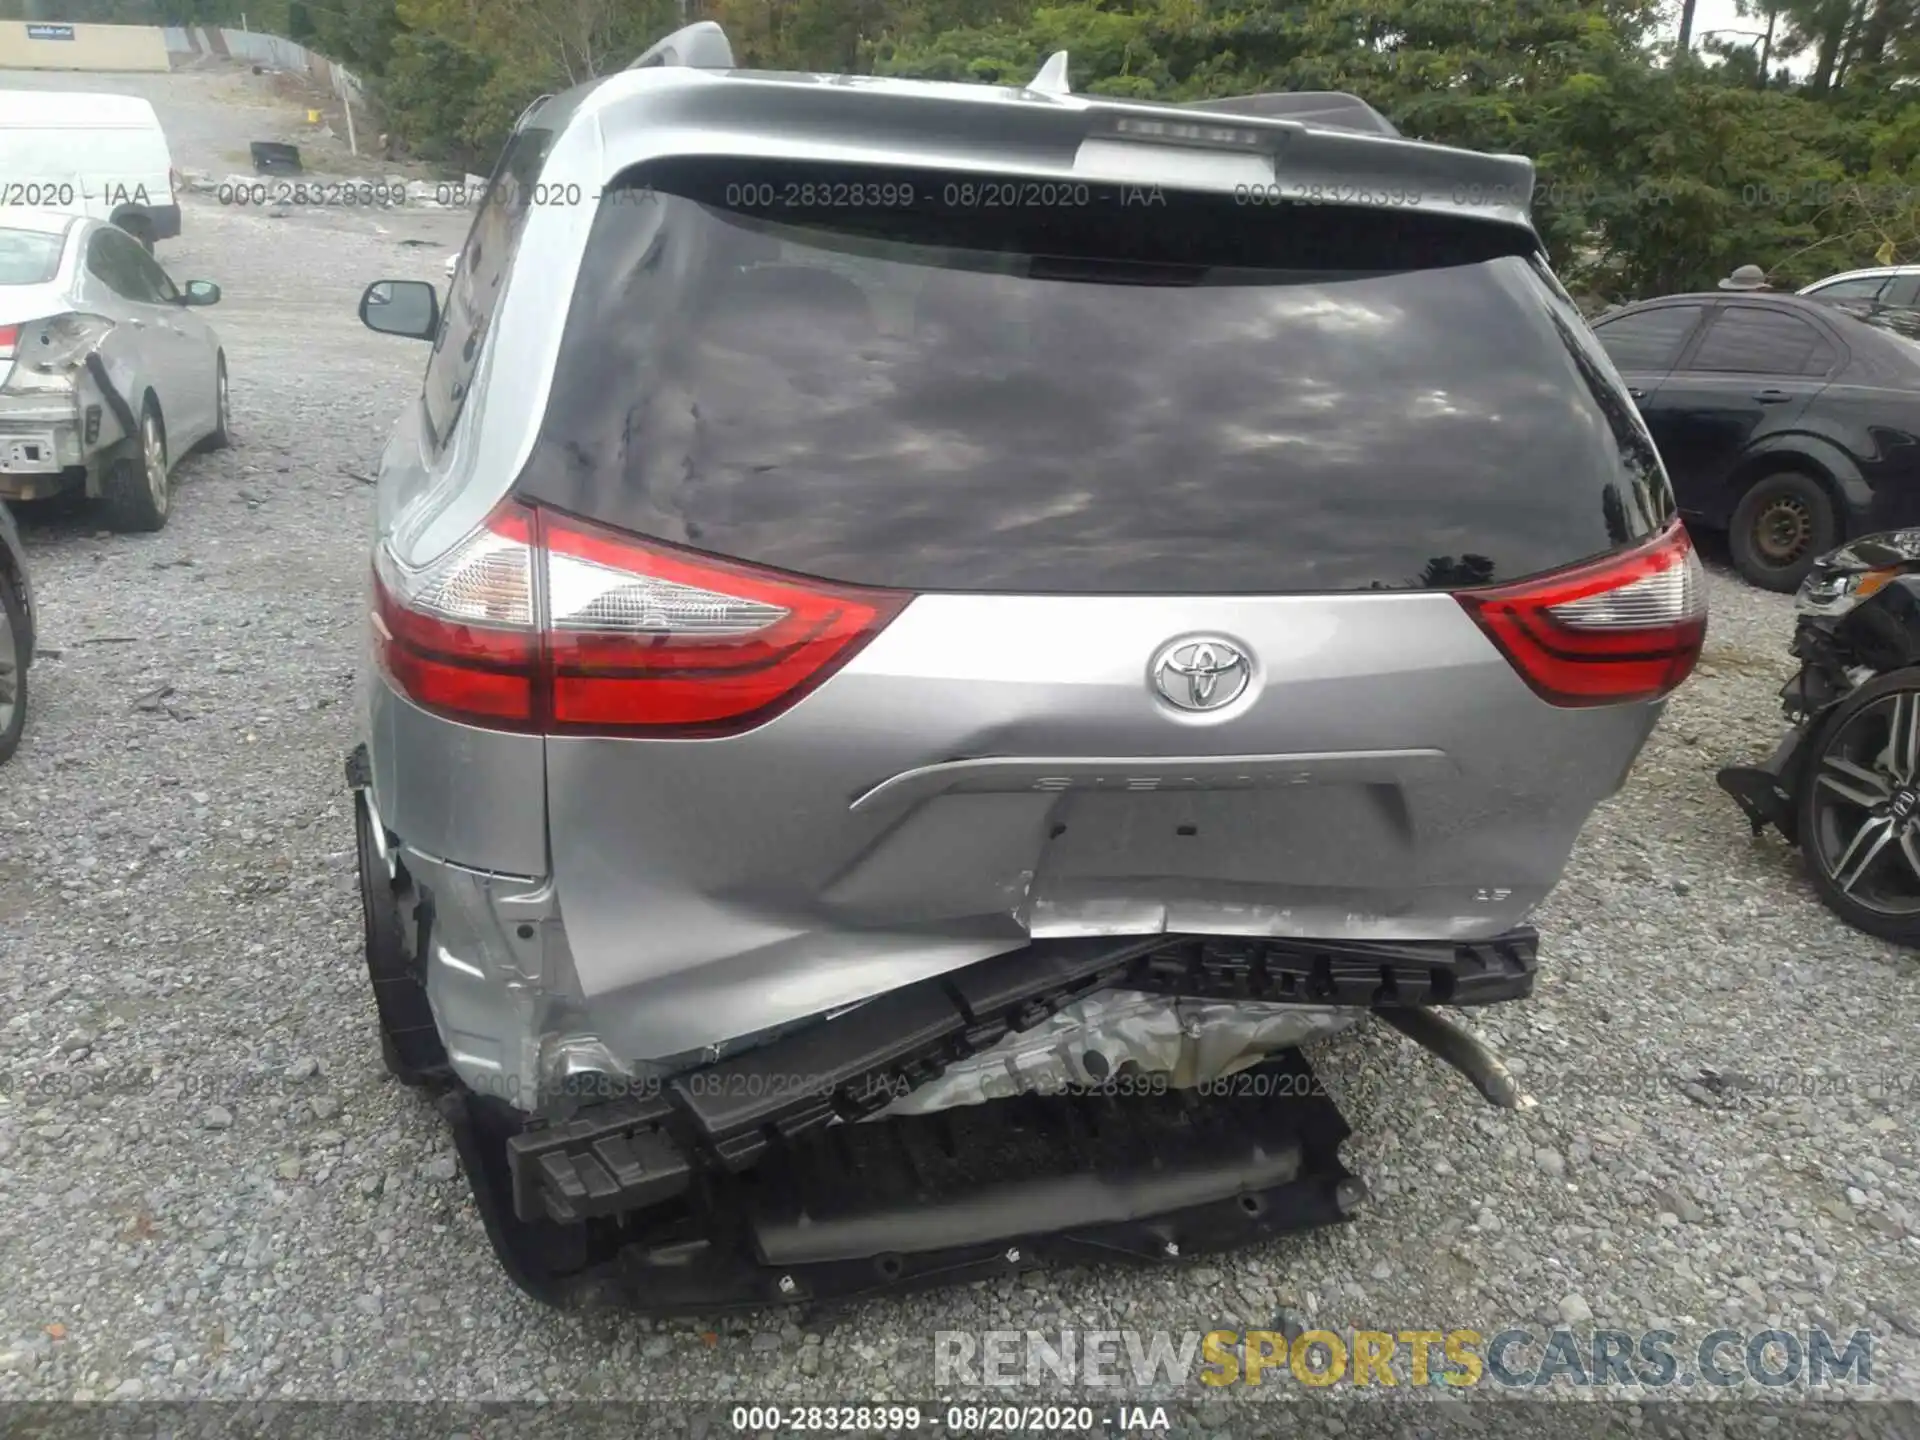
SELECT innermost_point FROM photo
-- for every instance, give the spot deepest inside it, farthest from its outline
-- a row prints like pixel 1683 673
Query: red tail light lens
pixel 458 637
pixel 540 622
pixel 9 340
pixel 1622 629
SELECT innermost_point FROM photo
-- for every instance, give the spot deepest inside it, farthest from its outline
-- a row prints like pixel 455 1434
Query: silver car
pixel 1892 287
pixel 925 637
pixel 107 376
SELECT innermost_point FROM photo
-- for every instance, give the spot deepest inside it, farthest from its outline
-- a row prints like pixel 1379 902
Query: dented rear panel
pixel 1116 448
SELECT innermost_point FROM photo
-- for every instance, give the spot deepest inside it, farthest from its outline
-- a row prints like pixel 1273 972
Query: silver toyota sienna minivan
pixel 926 637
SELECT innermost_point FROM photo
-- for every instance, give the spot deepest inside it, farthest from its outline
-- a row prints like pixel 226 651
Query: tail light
pixel 174 182
pixel 1625 628
pixel 538 622
pixel 46 352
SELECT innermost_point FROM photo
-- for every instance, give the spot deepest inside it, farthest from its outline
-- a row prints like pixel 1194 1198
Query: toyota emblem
pixel 1201 673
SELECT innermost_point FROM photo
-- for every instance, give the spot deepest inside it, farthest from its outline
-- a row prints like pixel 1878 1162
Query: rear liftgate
pixel 739 1185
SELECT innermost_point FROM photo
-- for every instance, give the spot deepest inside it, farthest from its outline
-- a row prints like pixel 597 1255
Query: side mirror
pixel 200 292
pixel 409 308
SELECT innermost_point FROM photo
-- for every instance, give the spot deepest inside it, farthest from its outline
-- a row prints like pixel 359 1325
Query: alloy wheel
pixel 1866 806
pixel 153 451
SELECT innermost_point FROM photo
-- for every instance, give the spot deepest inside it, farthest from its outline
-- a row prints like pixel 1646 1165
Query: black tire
pixel 1782 525
pixel 222 435
pixel 409 1042
pixel 14 655
pixel 1868 897
pixel 132 496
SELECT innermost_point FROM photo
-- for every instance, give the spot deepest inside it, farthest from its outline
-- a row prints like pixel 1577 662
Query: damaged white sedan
pixel 107 377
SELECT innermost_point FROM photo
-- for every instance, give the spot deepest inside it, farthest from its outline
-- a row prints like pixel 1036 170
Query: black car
pixel 1789 423
pixel 16 635
pixel 1844 783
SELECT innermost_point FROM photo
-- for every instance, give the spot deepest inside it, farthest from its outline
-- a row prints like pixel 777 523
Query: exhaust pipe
pixel 1464 1052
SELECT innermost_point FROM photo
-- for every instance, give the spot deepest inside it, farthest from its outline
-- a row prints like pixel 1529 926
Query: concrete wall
pixel 254 48
pixel 93 47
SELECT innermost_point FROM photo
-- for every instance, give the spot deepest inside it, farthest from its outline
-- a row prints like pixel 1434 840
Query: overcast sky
pixel 1721 15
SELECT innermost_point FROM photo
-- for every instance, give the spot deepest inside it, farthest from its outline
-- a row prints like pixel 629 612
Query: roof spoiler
pixel 1334 108
pixel 703 47
pixel 1333 147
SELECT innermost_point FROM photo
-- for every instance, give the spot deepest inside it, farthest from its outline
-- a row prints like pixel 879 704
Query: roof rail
pixel 1052 79
pixel 703 46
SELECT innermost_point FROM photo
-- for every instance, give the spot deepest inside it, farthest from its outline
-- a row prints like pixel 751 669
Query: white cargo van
pixel 89 154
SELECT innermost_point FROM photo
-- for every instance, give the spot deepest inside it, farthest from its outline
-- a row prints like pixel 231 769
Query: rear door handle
pixel 1772 397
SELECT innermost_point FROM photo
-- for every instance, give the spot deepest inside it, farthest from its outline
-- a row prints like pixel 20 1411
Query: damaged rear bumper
pixel 799 1169
pixel 641 1147
pixel 42 447
pixel 58 438
pixel 747 1182
pixel 856 1210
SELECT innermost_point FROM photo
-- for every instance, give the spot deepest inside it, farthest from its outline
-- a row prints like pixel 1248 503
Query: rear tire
pixel 1782 525
pixel 137 492
pixel 222 434
pixel 14 655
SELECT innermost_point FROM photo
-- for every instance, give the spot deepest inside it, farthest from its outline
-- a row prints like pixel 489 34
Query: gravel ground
pixel 212 1189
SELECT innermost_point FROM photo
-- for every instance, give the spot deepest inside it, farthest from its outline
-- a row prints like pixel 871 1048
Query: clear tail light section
pixel 542 623
pixel 458 636
pixel 1609 632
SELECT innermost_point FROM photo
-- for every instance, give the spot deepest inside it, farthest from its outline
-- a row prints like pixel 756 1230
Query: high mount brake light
pixel 541 623
pixel 1625 628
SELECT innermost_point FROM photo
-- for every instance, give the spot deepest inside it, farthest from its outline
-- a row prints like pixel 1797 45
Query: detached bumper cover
pixel 774 1176
pixel 742 1183
pixel 858 1210
pixel 642 1148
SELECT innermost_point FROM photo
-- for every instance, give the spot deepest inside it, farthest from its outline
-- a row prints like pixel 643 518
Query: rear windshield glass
pixel 28 257
pixel 943 382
